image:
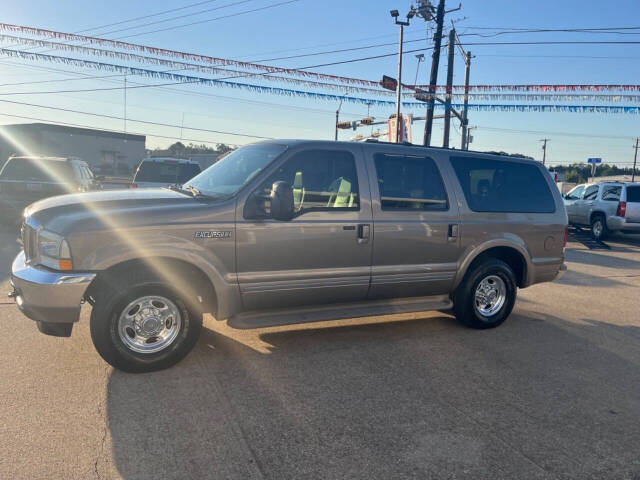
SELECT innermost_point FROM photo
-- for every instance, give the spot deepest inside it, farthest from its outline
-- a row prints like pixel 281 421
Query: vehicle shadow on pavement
pixel 539 397
pixel 573 277
pixel 9 248
pixel 602 260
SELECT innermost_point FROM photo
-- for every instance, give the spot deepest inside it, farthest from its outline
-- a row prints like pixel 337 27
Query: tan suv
pixel 291 231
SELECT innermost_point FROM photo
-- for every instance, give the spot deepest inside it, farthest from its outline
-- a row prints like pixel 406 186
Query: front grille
pixel 28 242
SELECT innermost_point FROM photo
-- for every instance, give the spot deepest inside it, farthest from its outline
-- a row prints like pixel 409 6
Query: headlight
pixel 53 251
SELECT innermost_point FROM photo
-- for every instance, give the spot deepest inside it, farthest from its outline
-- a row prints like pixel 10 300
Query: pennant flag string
pixel 178 78
pixel 528 97
pixel 185 65
pixel 41 32
pixel 73 37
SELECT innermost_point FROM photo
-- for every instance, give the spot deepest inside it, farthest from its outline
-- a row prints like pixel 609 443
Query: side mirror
pixel 281 201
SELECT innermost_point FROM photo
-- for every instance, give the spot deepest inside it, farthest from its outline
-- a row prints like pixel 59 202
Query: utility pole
pixel 395 14
pixel 635 158
pixel 399 84
pixel 433 78
pixel 125 103
pixel 447 105
pixel 544 149
pixel 338 118
pixel 465 119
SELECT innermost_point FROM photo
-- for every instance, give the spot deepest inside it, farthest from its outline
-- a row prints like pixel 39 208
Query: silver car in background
pixel 605 207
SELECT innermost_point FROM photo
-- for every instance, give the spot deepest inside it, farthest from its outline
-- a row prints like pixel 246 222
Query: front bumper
pixel 47 296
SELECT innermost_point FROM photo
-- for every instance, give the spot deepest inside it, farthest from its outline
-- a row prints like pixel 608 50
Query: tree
pixel 179 149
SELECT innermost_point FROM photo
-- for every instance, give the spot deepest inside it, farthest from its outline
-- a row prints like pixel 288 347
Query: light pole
pixel 395 14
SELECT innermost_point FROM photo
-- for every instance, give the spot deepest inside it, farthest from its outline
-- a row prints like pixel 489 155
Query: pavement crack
pixel 102 412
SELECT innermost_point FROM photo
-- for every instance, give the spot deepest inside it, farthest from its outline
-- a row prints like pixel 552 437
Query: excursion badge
pixel 212 234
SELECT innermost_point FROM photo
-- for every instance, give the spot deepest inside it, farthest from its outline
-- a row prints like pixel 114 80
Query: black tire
pixel 464 302
pixel 599 230
pixel 112 297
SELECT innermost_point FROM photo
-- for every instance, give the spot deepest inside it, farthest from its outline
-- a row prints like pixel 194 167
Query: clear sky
pixel 308 26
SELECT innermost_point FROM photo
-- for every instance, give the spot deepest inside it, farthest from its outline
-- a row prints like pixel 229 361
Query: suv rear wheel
pixel 486 296
pixel 143 325
pixel 599 229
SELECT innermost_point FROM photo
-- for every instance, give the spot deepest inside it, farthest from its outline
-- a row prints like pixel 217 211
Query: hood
pixel 122 208
pixel 104 199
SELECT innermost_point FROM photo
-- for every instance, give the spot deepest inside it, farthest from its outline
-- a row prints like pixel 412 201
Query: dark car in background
pixel 164 172
pixel 27 179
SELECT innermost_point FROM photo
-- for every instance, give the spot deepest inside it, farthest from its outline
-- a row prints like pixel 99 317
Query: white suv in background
pixel 605 207
pixel 158 172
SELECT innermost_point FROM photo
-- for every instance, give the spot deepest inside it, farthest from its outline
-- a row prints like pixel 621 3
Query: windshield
pixel 227 176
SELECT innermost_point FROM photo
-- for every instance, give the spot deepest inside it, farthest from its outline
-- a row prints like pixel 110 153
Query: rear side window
pixel 503 186
pixel 409 183
pixel 633 194
pixel 31 170
pixel 611 193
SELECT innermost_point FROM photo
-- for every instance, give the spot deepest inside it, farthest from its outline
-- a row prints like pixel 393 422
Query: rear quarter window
pixel 633 194
pixel 157 172
pixel 29 170
pixel 187 172
pixel 491 185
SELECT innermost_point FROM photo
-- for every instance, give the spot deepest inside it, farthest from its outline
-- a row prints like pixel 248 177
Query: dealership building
pixel 96 147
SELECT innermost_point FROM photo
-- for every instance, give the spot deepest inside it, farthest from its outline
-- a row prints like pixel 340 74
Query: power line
pixel 115 117
pixel 145 16
pixel 199 94
pixel 176 18
pixel 210 19
pixel 56 122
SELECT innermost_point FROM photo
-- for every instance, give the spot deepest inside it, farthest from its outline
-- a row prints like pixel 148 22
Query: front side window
pixel 611 193
pixel 575 193
pixel 591 193
pixel 228 175
pixel 503 185
pixel 321 179
pixel 409 183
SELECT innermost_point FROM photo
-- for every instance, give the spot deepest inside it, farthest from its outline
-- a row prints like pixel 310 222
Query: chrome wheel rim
pixel 597 228
pixel 149 324
pixel 490 296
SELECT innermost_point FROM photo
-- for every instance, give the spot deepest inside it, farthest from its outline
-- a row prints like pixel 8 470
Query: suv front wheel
pixel 486 296
pixel 143 325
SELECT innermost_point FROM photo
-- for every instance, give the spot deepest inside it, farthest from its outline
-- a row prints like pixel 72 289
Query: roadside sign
pixel 422 95
pixel 594 160
pixel 389 83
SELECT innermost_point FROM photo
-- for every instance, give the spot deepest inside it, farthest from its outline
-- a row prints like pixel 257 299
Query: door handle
pixel 364 231
pixel 452 234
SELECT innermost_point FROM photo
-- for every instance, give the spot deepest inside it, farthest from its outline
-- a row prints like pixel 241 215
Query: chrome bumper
pixel 47 296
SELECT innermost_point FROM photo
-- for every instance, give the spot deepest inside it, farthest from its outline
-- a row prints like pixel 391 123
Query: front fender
pixel 215 257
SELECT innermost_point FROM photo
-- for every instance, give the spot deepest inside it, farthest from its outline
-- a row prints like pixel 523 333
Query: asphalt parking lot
pixel 554 393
